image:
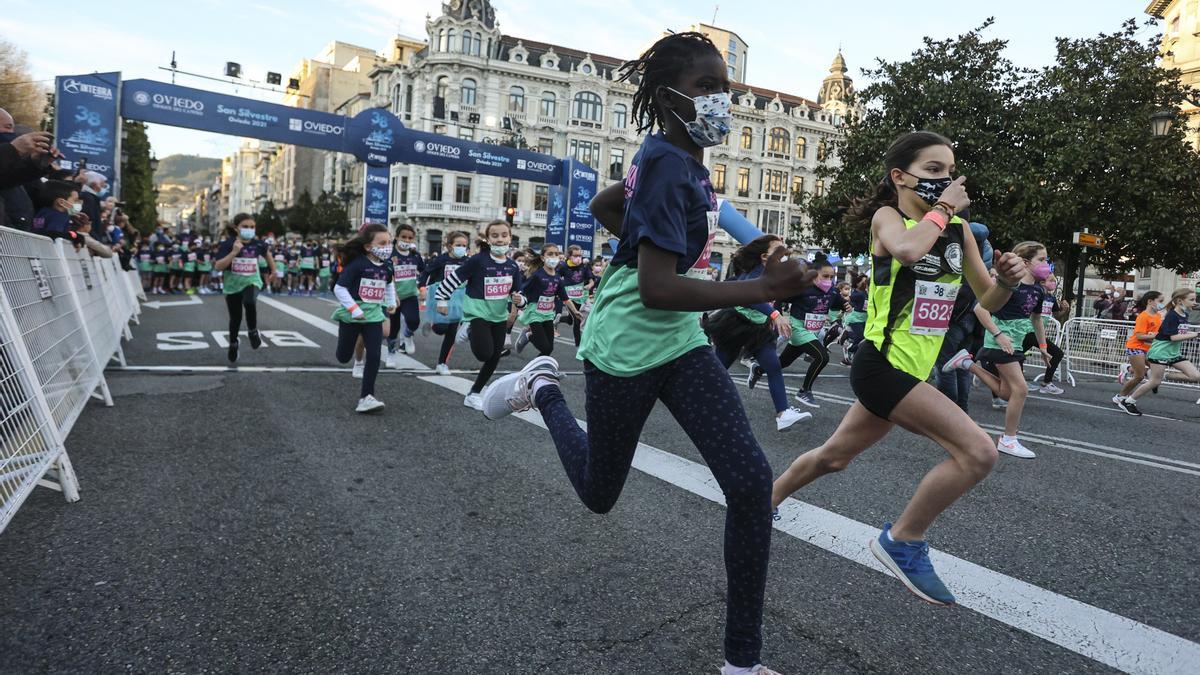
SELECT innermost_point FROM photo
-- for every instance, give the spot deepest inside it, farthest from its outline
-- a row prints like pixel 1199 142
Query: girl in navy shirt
pixel 543 288
pixel 239 254
pixel 431 279
pixel 364 289
pixel 1167 349
pixel 407 266
pixel 808 312
pixel 577 275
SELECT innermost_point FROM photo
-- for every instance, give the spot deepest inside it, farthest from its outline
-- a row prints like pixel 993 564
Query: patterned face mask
pixel 930 189
pixel 711 125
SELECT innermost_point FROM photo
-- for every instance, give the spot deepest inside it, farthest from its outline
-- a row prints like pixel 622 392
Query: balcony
pixel 431 209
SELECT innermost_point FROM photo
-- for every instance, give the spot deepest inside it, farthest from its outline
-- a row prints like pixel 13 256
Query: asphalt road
pixel 248 520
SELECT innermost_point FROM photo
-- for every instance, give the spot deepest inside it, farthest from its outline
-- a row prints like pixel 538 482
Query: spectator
pixel 61 201
pixel 1103 303
pixel 1119 309
pixel 94 183
pixel 81 225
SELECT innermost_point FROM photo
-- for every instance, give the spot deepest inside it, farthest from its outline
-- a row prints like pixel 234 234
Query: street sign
pixel 1090 240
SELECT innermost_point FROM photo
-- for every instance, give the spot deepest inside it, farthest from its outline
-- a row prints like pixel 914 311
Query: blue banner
pixel 85 121
pixel 455 154
pixel 580 180
pixel 162 103
pixel 375 195
pixel 556 216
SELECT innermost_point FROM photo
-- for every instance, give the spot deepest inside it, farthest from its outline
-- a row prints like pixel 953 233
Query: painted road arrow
pixel 157 304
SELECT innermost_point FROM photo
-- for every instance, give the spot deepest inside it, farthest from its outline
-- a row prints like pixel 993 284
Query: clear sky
pixel 791 43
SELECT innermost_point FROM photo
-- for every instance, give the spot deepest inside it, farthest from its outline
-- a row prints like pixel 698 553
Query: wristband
pixel 1042 346
pixel 1005 286
pixel 945 205
pixel 997 333
pixel 774 315
pixel 937 218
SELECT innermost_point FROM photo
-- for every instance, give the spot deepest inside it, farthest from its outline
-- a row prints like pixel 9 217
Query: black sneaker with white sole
pixel 806 398
pixel 756 373
pixel 1129 407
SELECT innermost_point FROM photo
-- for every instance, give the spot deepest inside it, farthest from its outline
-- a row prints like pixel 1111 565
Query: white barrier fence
pixel 62 316
pixel 1097 347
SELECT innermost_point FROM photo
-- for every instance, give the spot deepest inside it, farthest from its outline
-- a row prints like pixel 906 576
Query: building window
pixel 435 188
pixel 616 164
pixel 443 87
pixel 797 189
pixel 586 69
pixel 732 72
pixel 466 133
pixel 780 141
pixel 477 44
pixel 441 43
pixel 732 59
pixel 468 92
pixel 733 45
pixel 546 146
pixel 408 102
pixel 585 151
pixel 718 178
pixel 747 138
pixel 403 193
pixel 774 182
pixel 821 150
pixel 450 46
pixel 512 192
pixel 771 222
pixel 801 148
pixel 743 184
pixel 466 42
pixel 587 107
pixel 516 99
pixel 620 116
pixel 549 104
pixel 819 189
pixel 541 197
pixel 462 190
pixel 439 129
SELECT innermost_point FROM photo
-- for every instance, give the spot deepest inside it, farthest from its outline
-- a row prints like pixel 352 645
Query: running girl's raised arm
pixel 608 206
pixel 661 288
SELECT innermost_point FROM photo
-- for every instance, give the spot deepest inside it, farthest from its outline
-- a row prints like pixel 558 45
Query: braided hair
pixel 660 66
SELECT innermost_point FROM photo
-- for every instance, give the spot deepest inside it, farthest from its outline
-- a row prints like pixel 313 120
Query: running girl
pixel 191 257
pixel 643 341
pixel 1167 349
pixel 920 253
pixel 491 278
pixel 407 265
pixel 239 254
pixel 808 313
pixel 1149 319
pixel 856 319
pixel 578 277
pixel 308 266
pixel 1050 307
pixel 204 266
pixel 1000 364
pixel 544 288
pixel 435 273
pixel 364 289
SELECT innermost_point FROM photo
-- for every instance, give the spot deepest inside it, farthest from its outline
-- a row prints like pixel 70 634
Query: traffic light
pixel 509 214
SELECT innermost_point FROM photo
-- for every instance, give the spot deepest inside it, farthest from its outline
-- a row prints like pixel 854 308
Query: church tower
pixel 836 87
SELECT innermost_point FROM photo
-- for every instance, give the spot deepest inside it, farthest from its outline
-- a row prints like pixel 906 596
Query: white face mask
pixel 499 251
pixel 380 252
pixel 552 262
pixel 713 115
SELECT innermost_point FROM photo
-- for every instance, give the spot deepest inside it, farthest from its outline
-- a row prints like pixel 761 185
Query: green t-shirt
pixel 752 315
pixel 800 334
pixel 1165 350
pixel 1015 329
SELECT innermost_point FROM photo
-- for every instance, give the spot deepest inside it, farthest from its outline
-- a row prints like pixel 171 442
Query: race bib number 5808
pixel 933 303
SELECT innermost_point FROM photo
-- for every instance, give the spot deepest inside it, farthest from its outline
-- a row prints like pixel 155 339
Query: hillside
pixel 179 176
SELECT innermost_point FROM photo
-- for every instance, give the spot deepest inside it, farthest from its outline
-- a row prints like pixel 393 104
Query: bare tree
pixel 23 98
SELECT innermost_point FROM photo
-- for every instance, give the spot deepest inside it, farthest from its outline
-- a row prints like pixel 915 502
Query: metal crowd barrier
pixel 62 316
pixel 1097 347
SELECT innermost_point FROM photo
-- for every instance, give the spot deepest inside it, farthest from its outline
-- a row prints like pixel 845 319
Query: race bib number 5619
pixel 933 304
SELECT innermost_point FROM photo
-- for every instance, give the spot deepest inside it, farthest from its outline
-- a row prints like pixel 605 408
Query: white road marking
pixel 1084 629
pixel 383 370
pixel 405 361
pixel 159 304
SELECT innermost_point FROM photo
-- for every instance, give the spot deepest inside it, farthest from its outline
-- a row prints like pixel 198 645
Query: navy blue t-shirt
pixel 481 267
pixel 669 202
pixel 1173 324
pixel 361 268
pixel 816 301
pixel 436 270
pixel 541 284
pixel 1024 302
pixel 48 220
pixel 250 249
pixel 858 300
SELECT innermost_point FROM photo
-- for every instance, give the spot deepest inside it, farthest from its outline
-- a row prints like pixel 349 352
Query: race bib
pixel 191 257
pixel 308 261
pixel 575 292
pixel 325 261
pixel 1048 306
pixel 245 266
pixel 405 272
pixel 814 322
pixel 545 303
pixel 933 304
pixel 496 288
pixel 371 290
pixel 699 269
pixel 1185 328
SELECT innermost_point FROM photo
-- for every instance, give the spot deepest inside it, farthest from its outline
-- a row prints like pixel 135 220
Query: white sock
pixel 1130 399
pixel 1008 439
pixel 888 533
pixel 541 382
pixel 730 669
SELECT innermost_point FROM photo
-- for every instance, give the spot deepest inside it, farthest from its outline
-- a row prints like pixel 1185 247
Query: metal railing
pixel 1097 347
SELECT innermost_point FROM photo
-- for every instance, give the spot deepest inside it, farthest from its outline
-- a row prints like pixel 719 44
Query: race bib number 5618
pixel 933 304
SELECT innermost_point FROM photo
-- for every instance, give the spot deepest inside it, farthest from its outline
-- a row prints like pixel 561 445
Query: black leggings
pixel 702 398
pixel 407 314
pixel 487 341
pixel 244 298
pixel 816 350
pixel 1056 355
pixel 372 336
pixel 576 326
pixel 541 335
pixel 449 332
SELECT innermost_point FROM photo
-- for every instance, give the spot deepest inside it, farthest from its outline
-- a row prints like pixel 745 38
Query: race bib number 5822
pixel 933 303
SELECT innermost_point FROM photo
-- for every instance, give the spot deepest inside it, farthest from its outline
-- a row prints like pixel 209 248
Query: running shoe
pixel 233 349
pixel 960 361
pixel 1050 388
pixel 255 340
pixel 846 360
pixel 756 373
pixel 789 417
pixel 391 346
pixel 442 369
pixel 368 404
pixel 775 514
pixel 473 400
pixel 1015 449
pixel 909 562
pixel 999 403
pixel 514 393
pixel 807 398
pixel 522 340
pixel 505 352
pixel 1129 407
pixel 357 371
pixel 410 345
pixel 1117 399
pixel 758 669
pixel 462 335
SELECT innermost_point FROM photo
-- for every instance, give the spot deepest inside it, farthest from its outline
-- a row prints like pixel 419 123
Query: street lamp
pixel 1161 122
pixel 153 164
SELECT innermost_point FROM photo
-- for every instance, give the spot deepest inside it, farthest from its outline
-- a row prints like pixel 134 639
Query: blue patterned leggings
pixel 700 396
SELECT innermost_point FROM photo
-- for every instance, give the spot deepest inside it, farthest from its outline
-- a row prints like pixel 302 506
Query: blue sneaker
pixel 909 562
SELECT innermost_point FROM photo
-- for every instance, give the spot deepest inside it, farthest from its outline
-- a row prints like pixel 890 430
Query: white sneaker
pixel 514 393
pixel 463 333
pixel 1050 389
pixel 508 340
pixel 442 369
pixel 1117 398
pixel 962 360
pixel 410 345
pixel 359 366
pixel 789 417
pixel 1015 449
pixel 999 403
pixel 368 404
pixel 473 401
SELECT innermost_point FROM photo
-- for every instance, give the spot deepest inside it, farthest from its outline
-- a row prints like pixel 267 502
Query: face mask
pixel 597 271
pixel 1161 306
pixel 380 252
pixel 7 136
pixel 76 208
pixel 499 251
pixel 1050 288
pixel 406 245
pixel 246 233
pixel 930 189
pixel 459 251
pixel 575 259
pixel 1040 271
pixel 711 125
pixel 824 284
pixel 552 262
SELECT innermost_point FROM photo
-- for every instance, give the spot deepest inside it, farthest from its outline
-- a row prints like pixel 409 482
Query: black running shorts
pixel 877 384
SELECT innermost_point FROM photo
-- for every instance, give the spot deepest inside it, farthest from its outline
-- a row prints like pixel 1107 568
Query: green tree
pixel 300 216
pixel 137 179
pixel 329 215
pixel 269 219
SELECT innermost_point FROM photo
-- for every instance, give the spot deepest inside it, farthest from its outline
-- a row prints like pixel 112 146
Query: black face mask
pixel 930 189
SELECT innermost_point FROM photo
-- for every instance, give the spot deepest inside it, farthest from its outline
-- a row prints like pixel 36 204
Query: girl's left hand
pixel 518 299
pixel 391 310
pixel 1045 356
pixel 783 326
